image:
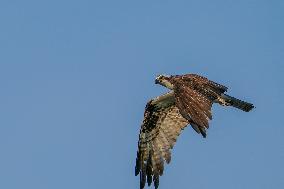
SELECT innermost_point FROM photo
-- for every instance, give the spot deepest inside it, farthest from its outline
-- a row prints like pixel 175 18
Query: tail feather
pixel 237 103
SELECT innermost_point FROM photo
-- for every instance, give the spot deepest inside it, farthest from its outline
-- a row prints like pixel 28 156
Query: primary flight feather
pixel 189 101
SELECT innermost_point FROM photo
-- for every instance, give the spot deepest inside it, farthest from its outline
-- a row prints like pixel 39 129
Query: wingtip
pixel 203 132
pixel 137 166
pixel 156 181
pixel 136 171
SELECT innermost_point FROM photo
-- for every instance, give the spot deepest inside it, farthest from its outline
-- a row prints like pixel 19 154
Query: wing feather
pixel 161 126
pixel 189 107
pixel 194 96
pixel 203 82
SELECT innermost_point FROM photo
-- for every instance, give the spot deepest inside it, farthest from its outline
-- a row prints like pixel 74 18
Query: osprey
pixel 188 102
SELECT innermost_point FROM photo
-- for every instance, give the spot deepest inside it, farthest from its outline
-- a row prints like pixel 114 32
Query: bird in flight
pixel 188 102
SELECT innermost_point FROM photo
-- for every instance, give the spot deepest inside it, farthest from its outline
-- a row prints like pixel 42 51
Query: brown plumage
pixel 189 102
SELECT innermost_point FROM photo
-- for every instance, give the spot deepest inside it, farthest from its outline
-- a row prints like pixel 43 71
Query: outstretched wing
pixel 194 98
pixel 161 126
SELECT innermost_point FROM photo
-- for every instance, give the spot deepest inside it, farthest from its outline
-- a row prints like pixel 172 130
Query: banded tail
pixel 237 103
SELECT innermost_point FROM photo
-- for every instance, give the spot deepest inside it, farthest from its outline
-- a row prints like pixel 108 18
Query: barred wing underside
pixel 161 126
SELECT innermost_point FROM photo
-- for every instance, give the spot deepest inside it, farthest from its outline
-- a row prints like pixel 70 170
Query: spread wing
pixel 161 126
pixel 194 97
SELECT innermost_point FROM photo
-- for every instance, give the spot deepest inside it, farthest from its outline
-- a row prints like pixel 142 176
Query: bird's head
pixel 164 80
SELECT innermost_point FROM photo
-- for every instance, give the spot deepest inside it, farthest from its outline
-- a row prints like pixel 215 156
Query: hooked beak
pixel 156 81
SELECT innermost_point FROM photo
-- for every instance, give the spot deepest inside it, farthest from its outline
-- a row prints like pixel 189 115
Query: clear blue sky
pixel 75 77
